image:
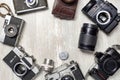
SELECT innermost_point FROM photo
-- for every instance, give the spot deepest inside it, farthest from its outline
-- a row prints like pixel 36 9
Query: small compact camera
pixel 11 30
pixel 21 64
pixel 103 13
pixel 107 64
pixel 66 72
pixel 23 6
pixel 65 9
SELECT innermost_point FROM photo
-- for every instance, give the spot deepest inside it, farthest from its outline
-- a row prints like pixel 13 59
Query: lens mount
pixel 103 17
pixel 20 69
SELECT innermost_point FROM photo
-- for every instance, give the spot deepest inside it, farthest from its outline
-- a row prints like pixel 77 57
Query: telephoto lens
pixel 88 37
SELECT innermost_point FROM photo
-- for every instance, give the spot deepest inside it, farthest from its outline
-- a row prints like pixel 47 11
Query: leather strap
pixel 5 6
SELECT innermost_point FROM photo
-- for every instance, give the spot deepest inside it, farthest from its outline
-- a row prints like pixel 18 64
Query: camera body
pixel 66 71
pixel 107 64
pixel 103 13
pixel 11 31
pixel 24 6
pixel 65 9
pixel 22 65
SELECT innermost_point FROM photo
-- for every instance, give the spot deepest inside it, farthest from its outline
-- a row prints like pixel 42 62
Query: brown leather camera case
pixel 64 9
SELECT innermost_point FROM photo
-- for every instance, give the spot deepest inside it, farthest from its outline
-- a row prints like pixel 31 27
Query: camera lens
pixel 31 3
pixel 88 37
pixel 20 69
pixel 11 30
pixel 103 17
pixel 110 66
pixel 67 77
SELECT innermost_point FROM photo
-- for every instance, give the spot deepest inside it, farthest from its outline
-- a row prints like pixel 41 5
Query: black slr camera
pixel 103 13
pixel 21 64
pixel 11 31
pixel 23 6
pixel 66 72
pixel 107 64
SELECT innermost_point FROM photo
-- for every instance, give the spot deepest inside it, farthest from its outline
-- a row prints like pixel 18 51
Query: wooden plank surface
pixel 45 36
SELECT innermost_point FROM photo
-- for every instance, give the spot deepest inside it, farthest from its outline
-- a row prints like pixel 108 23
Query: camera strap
pixel 5 6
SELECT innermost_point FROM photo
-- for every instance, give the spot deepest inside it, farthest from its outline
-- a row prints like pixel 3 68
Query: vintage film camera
pixel 21 64
pixel 23 6
pixel 66 72
pixel 65 9
pixel 11 30
pixel 103 13
pixel 107 64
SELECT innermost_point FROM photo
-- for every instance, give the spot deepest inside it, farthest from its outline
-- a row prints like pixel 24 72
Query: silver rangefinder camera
pixel 66 72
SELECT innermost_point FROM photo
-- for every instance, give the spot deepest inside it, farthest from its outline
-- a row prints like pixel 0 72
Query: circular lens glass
pixel 20 69
pixel 103 17
pixel 67 77
pixel 11 30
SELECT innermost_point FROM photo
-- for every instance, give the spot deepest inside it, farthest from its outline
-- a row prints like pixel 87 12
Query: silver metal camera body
pixel 24 6
pixel 66 72
pixel 11 31
pixel 21 64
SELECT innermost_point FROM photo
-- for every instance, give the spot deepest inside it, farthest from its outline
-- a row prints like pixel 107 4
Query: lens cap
pixel 11 30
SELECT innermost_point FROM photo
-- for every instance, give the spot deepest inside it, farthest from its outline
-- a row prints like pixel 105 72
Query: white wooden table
pixel 45 36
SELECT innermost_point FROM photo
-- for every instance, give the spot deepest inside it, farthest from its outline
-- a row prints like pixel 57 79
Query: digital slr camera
pixel 107 64
pixel 103 13
pixel 24 6
pixel 21 64
pixel 66 72
pixel 11 30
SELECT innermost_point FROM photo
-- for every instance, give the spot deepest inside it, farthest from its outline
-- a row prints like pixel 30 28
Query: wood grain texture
pixel 45 36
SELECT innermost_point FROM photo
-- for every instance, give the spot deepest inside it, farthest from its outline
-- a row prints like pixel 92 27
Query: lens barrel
pixel 88 37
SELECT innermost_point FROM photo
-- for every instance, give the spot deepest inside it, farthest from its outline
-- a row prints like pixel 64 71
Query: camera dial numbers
pixel 11 30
